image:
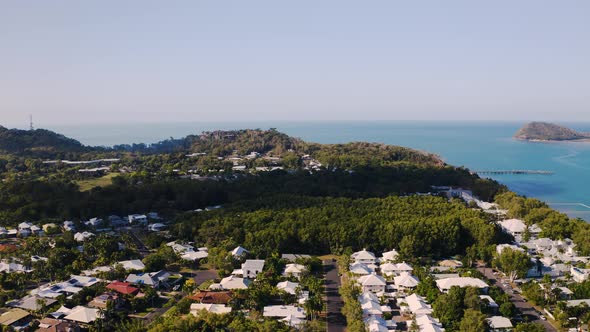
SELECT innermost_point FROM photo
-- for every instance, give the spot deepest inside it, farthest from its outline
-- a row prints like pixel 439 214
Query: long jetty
pixel 514 171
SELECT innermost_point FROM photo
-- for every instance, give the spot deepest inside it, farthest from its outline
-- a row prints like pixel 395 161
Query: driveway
pixel 201 276
pixel 521 304
pixel 335 321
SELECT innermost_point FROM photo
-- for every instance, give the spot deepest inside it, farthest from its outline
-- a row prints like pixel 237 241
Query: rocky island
pixel 546 132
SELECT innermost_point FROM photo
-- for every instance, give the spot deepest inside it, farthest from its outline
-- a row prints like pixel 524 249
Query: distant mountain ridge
pixel 545 131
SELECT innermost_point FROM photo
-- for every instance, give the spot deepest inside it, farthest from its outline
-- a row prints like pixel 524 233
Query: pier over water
pixel 514 171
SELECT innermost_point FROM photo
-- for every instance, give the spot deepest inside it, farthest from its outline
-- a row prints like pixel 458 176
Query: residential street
pixel 523 306
pixel 335 320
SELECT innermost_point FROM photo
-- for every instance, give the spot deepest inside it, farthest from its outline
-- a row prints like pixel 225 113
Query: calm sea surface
pixel 476 145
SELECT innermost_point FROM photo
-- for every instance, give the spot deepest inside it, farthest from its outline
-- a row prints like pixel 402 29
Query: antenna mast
pixel 31 122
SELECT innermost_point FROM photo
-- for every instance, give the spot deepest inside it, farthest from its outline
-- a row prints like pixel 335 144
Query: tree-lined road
pixel 335 320
pixel 521 304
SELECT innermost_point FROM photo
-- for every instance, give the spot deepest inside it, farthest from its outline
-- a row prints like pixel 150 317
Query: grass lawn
pixel 86 185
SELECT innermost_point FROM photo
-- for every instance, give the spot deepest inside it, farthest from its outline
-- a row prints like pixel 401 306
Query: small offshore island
pixel 549 132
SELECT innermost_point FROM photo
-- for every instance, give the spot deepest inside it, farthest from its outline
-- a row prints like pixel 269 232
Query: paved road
pixel 201 276
pixel 335 320
pixel 521 304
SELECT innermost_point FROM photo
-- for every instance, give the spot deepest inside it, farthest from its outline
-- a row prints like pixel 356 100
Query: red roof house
pixel 124 288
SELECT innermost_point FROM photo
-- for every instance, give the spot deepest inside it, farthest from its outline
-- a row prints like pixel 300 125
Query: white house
pixel 140 219
pixel 405 281
pixel 157 227
pixel 390 269
pixel 83 315
pixel 364 256
pixel 251 268
pixel 212 308
pixel 499 324
pixel 288 286
pixel 360 269
pixel 294 270
pixel 93 222
pixel 390 256
pixel 239 252
pixel 195 255
pixel 282 311
pixel 445 284
pixel 580 275
pixel 232 282
pixel 153 279
pixel 372 283
pixel 83 236
pixel 517 228
pixel 134 264
pixel 417 305
pixel 13 267
pixel 69 226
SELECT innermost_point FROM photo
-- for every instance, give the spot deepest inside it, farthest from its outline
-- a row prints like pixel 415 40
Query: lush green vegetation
pixel 554 225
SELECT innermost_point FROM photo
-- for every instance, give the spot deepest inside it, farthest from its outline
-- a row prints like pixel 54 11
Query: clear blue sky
pixel 119 61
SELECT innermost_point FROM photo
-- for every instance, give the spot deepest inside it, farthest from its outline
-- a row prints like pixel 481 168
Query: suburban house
pixel 580 275
pixel 405 281
pixel 499 324
pixel 445 284
pixel 153 279
pixel 294 270
pixel 390 269
pixel 417 305
pixel 72 286
pixel 251 268
pixel 364 256
pixel 55 325
pixel 123 288
pixel 212 308
pixel 239 252
pixel 82 236
pixel 13 267
pixel 31 303
pixel 223 297
pixel 102 300
pixel 517 228
pixel 372 283
pixel 17 319
pixel 134 264
pixel 139 219
pixel 83 315
pixel 360 269
pixel 157 227
pixel 231 282
pixel 282 311
pixel 390 256
pixel 69 226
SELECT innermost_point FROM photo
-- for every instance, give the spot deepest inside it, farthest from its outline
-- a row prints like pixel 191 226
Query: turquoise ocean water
pixel 476 145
